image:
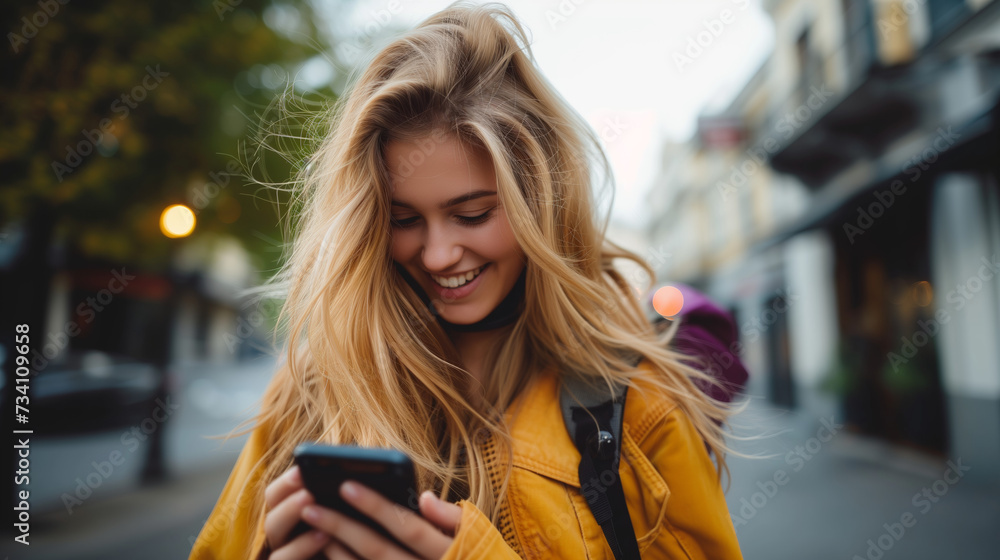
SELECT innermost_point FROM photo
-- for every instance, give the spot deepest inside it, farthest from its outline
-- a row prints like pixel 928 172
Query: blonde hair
pixel 364 362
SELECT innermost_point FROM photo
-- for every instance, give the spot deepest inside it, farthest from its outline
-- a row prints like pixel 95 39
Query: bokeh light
pixel 177 220
pixel 923 293
pixel 668 301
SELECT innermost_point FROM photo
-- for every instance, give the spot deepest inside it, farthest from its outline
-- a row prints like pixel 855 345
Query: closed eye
pixel 476 220
pixel 466 220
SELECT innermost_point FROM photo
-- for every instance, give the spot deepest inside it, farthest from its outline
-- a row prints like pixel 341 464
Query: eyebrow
pixel 453 201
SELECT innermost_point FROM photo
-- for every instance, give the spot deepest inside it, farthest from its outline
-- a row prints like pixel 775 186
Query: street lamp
pixel 177 220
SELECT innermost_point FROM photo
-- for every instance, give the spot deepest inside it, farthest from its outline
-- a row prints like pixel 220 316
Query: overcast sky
pixel 639 71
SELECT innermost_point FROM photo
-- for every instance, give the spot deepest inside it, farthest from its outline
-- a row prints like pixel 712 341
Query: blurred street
pixel 122 519
pixel 836 496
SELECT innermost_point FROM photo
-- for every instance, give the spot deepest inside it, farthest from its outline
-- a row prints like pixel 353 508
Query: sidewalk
pixel 827 493
pixel 119 518
pixel 152 523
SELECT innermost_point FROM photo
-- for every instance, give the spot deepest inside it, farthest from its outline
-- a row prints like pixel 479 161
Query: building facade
pixel 845 207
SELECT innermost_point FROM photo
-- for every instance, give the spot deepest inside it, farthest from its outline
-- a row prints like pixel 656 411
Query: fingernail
pixel 431 499
pixel 310 513
pixel 350 489
pixel 319 535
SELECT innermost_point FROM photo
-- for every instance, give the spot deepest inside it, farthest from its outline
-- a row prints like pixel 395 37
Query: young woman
pixel 448 273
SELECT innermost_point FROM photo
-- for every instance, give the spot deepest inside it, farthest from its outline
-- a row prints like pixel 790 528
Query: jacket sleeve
pixel 477 538
pixel 696 523
pixel 232 532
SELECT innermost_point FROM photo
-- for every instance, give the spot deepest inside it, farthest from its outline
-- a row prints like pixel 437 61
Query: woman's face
pixel 447 223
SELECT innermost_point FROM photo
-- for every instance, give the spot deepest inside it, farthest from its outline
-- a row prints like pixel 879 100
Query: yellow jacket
pixel 674 497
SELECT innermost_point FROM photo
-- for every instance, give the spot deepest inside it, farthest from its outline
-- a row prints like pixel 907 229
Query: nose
pixel 441 250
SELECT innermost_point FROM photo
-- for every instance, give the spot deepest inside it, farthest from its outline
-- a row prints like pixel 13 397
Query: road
pixel 852 497
pixel 86 499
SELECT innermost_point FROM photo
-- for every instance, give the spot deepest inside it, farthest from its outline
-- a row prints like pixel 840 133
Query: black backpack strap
pixel 600 450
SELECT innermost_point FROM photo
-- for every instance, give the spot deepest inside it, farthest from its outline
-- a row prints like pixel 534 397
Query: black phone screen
pixel 387 471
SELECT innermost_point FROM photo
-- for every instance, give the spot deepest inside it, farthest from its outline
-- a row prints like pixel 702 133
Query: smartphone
pixel 387 471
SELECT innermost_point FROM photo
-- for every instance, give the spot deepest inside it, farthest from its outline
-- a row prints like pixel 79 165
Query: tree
pixel 113 111
pixel 116 110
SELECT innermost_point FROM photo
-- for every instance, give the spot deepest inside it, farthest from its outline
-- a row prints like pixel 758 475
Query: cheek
pixel 500 240
pixel 402 246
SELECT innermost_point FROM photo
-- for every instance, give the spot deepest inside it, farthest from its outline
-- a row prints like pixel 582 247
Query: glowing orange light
pixel 923 293
pixel 177 220
pixel 668 301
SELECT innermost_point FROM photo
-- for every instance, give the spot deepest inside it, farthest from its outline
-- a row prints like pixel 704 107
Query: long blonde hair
pixel 364 362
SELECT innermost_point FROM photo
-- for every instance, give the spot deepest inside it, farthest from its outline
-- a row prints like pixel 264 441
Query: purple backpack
pixel 708 333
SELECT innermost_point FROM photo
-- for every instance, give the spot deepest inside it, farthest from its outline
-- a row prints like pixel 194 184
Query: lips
pixel 463 290
pixel 478 270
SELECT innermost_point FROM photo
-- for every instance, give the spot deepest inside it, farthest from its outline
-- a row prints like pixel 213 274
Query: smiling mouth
pixel 461 280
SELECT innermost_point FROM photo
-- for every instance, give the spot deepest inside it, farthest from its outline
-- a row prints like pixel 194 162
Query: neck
pixel 473 348
pixel 473 344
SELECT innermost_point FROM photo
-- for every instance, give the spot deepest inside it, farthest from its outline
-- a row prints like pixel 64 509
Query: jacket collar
pixel 542 442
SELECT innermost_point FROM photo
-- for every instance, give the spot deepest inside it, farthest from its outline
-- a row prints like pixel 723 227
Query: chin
pixel 465 317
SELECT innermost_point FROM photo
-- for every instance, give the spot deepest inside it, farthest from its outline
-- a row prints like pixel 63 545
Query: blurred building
pixel 845 207
pixel 189 313
pixel 109 338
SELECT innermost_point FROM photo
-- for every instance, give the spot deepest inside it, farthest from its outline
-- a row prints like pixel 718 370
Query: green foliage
pixel 156 99
pixel 905 378
pixel 844 374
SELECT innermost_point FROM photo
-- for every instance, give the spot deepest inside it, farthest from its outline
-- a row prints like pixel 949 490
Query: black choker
pixel 505 313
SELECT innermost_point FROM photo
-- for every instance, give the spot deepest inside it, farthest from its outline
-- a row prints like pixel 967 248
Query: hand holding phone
pixel 325 467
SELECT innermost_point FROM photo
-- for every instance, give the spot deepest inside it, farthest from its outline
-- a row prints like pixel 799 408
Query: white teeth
pixel 457 281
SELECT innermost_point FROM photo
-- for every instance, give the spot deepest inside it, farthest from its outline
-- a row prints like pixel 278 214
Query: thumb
pixel 444 515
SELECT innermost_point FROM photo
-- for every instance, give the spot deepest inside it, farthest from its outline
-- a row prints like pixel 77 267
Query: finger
pixel 337 551
pixel 359 538
pixel 279 521
pixel 444 515
pixel 305 545
pixel 407 526
pixel 282 487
